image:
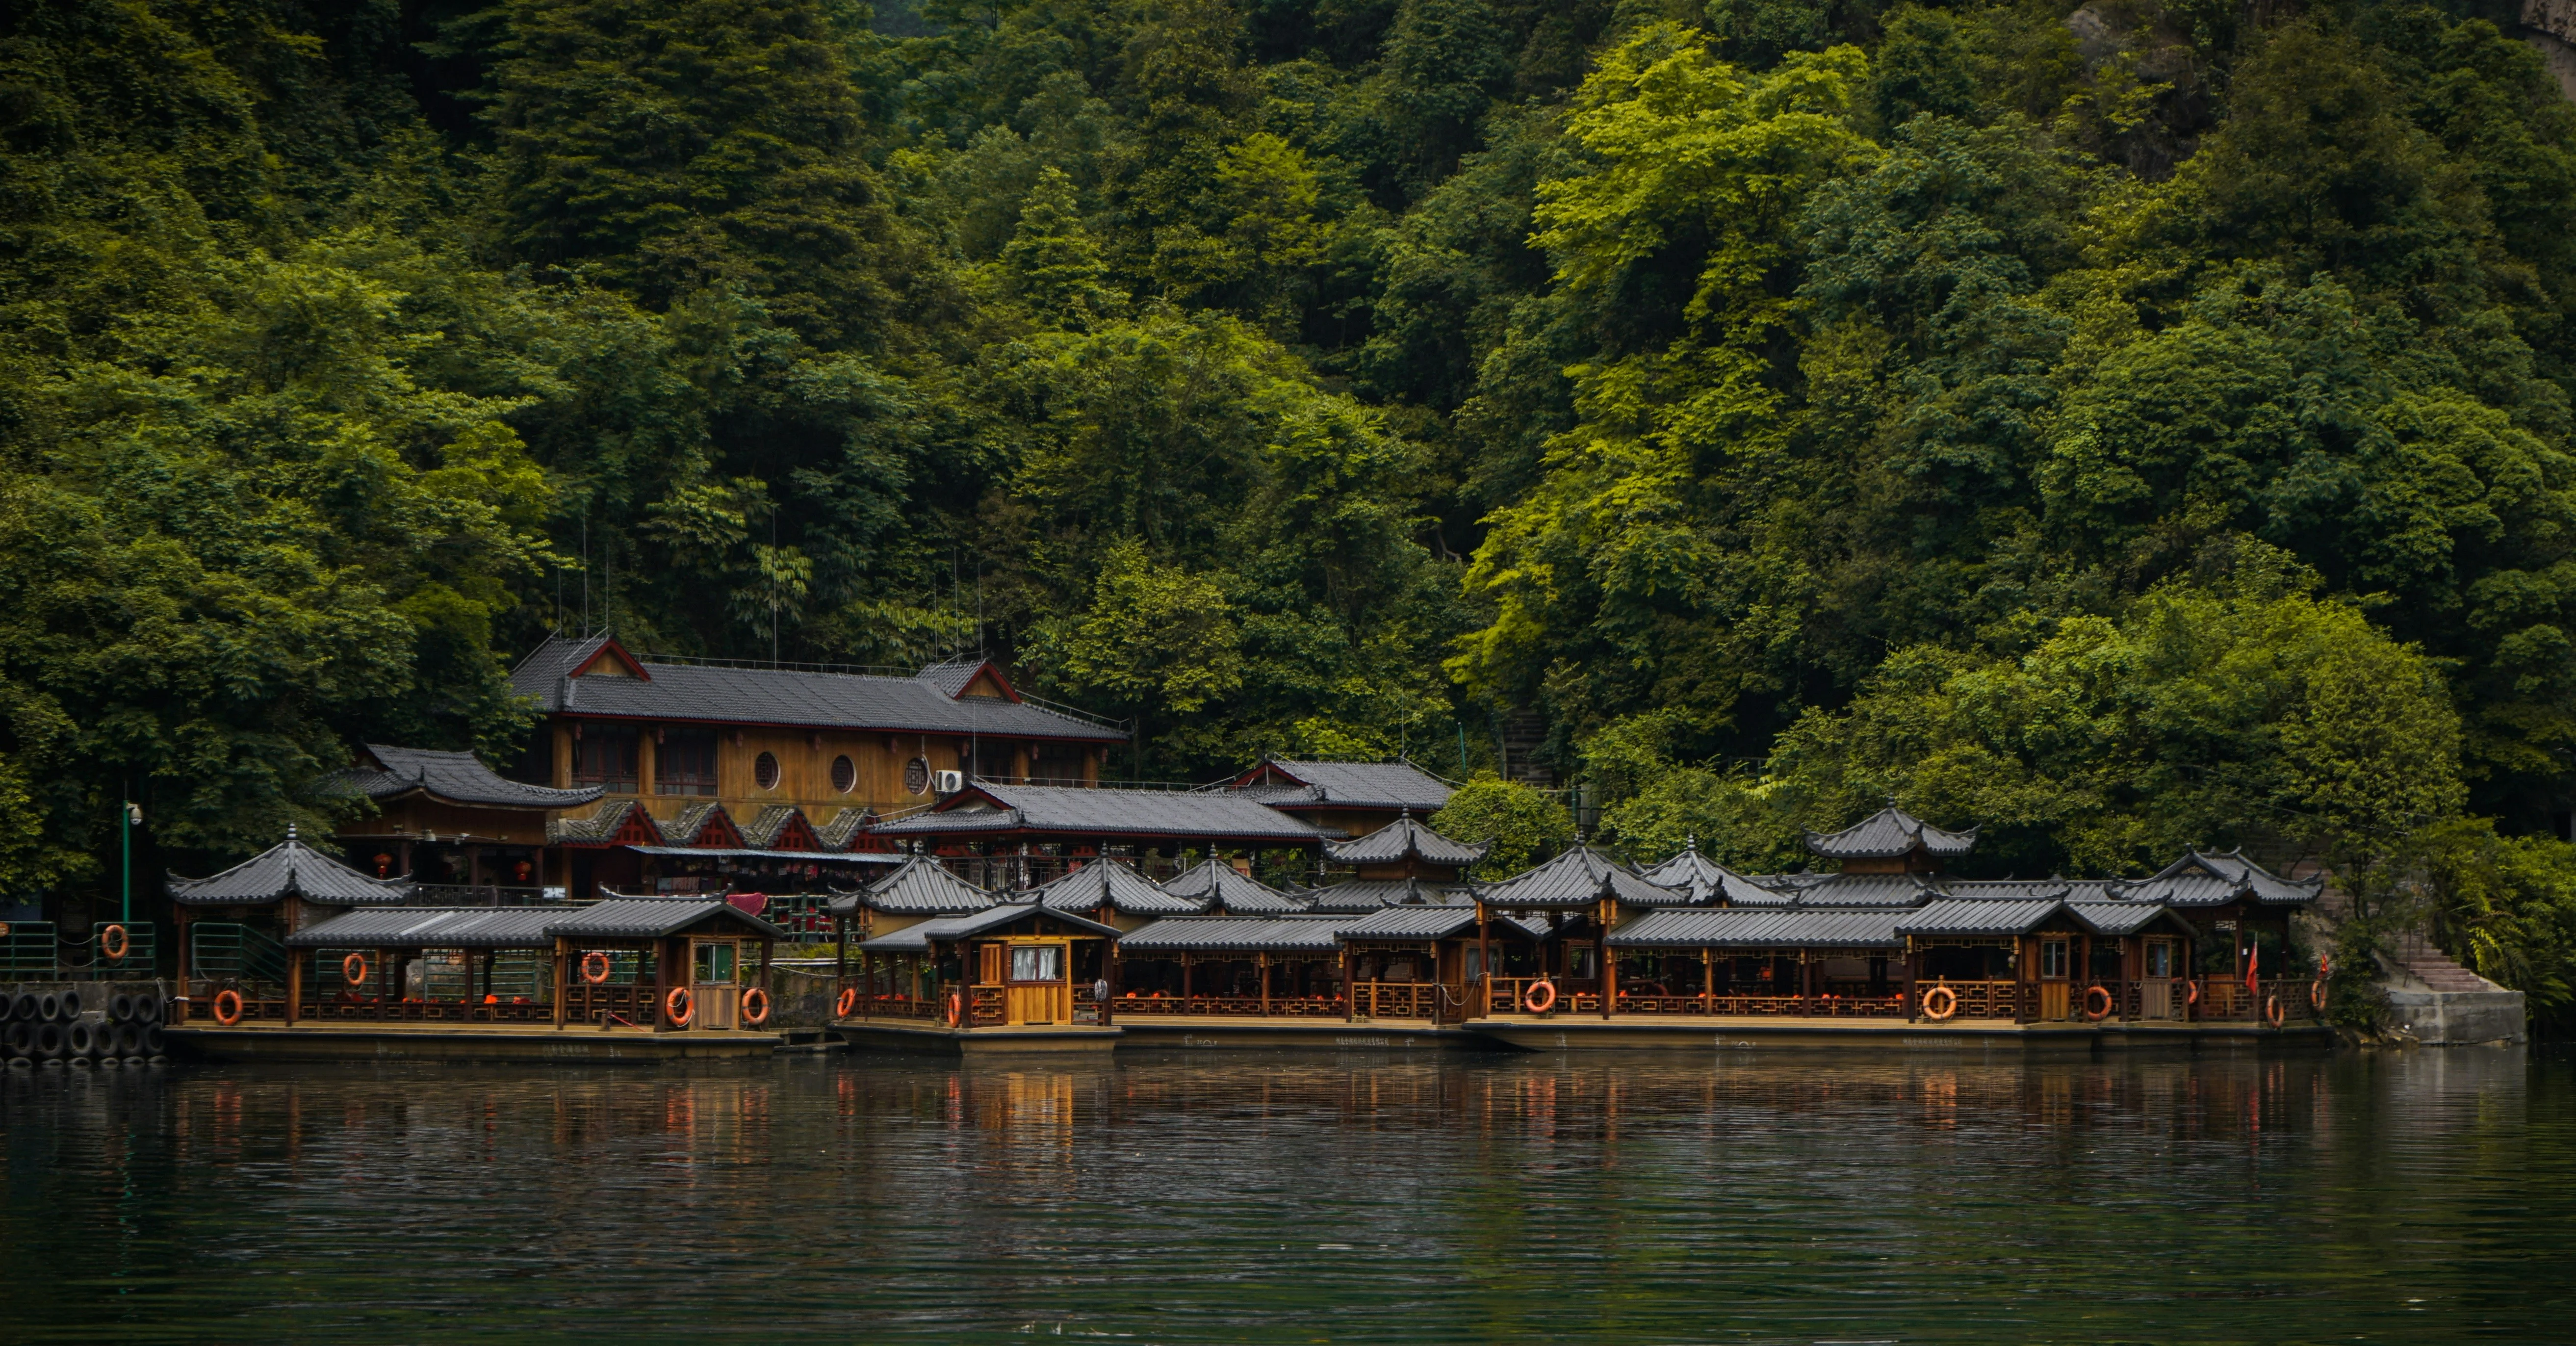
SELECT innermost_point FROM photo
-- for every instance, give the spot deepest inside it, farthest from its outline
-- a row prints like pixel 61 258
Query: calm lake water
pixel 2415 1197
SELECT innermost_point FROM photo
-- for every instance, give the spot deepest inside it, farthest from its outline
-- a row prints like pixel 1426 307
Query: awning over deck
pixel 1234 934
pixel 521 927
pixel 950 929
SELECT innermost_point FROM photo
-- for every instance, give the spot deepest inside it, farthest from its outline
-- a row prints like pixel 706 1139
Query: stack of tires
pixel 59 1028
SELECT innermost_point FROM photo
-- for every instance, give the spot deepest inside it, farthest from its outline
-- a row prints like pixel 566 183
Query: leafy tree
pixel 1523 825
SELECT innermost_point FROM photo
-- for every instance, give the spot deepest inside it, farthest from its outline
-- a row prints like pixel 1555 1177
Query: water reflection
pixel 1299 1198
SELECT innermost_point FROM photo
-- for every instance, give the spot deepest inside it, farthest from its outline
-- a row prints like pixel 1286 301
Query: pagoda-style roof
pixel 924 935
pixel 1402 840
pixel 522 927
pixel 1891 833
pixel 1233 934
pixel 781 827
pixel 385 773
pixel 1706 882
pixel 1112 884
pixel 842 830
pixel 1578 877
pixel 289 868
pixel 703 824
pixel 2215 878
pixel 1217 885
pixel 1284 784
pixel 920 886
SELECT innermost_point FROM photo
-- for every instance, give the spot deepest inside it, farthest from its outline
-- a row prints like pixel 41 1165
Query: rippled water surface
pixel 2419 1197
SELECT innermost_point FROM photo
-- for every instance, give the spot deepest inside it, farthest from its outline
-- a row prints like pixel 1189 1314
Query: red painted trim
pixel 642 674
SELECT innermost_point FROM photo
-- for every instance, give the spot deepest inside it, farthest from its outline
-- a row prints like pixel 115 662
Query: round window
pixel 764 771
pixel 916 776
pixel 845 774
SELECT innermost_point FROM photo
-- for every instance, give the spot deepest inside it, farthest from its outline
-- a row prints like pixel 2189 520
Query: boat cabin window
pixel 1037 962
pixel 2052 959
pixel 2160 958
pixel 1582 960
pixel 715 964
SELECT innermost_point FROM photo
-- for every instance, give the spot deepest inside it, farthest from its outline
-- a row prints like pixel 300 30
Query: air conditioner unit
pixel 948 782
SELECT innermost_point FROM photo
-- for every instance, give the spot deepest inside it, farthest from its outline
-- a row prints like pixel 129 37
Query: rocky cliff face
pixel 2553 30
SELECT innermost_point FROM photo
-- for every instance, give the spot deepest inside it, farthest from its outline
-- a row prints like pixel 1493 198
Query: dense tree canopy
pixel 2121 425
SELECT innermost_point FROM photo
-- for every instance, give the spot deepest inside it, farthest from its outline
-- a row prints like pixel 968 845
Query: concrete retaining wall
pixel 2457 1018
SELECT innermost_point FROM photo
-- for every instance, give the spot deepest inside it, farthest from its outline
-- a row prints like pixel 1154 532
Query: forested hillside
pixel 2124 427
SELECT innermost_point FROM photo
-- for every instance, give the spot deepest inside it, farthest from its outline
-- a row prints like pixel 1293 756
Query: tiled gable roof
pixel 1703 881
pixel 388 772
pixel 841 831
pixel 1577 877
pixel 606 824
pixel 1365 895
pixel 2215 878
pixel 1887 834
pixel 946 929
pixel 919 886
pixel 1216 883
pixel 1405 839
pixel 1111 884
pixel 1760 928
pixel 784 696
pixel 1072 810
pixel 1233 934
pixel 1361 785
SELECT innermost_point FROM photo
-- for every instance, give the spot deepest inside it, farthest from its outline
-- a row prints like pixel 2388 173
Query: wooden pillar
pixel 1609 962
pixel 183 922
pixel 1262 962
pixel 1908 992
pixel 1350 989
pixel 2190 974
pixel 1116 976
pixel 1707 980
pixel 563 983
pixel 294 982
pixel 1484 963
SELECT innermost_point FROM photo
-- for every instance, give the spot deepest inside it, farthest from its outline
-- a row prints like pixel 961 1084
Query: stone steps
pixel 2434 968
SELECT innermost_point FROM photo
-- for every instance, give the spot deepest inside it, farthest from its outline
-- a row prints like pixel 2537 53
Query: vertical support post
pixel 182 920
pixel 1185 981
pixel 1909 1001
pixel 1609 964
pixel 1350 989
pixel 1264 964
pixel 840 954
pixel 1707 981
pixel 563 984
pixel 1484 955
pixel 294 983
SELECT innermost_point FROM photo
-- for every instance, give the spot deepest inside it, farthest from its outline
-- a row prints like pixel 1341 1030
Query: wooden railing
pixel 985 1007
pixel 638 1003
pixel 515 1011
pixel 1396 999
pixel 2227 1001
pixel 1237 1006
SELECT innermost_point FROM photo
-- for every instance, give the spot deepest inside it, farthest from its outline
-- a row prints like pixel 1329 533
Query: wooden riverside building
pixel 363 969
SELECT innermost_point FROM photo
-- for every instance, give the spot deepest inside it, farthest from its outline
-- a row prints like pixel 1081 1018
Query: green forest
pixel 2122 427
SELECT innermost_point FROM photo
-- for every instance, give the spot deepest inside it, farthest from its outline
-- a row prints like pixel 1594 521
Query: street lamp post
pixel 131 819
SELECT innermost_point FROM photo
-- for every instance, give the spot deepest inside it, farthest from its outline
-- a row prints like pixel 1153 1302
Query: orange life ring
pixel 1540 997
pixel 956 1008
pixel 680 1005
pixel 113 943
pixel 2317 995
pixel 2272 1010
pixel 752 995
pixel 594 967
pixel 1949 1003
pixel 2191 992
pixel 353 969
pixel 228 1007
pixel 2091 1013
pixel 848 1002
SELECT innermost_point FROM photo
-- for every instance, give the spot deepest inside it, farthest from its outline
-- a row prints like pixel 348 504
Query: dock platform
pixel 460 1042
pixel 1578 1033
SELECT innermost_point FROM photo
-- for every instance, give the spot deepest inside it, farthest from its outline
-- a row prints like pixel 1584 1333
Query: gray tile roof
pixel 920 886
pixel 692 821
pixel 2209 879
pixel 288 867
pixel 1760 928
pixel 1867 890
pixel 706 693
pixel 756 853
pixel 1954 916
pixel 949 929
pixel 1364 895
pixel 1234 934
pixel 521 927
pixel 2025 890
pixel 1412 923
pixel 761 833
pixel 1887 834
pixel 1112 884
pixel 1359 785
pixel 842 829
pixel 2122 918
pixel 387 772
pixel 1578 877
pixel 1072 810
pixel 1704 881
pixel 600 824
pixel 1216 883
pixel 1405 839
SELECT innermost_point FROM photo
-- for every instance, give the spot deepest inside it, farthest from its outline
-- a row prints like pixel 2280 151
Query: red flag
pixel 2253 959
